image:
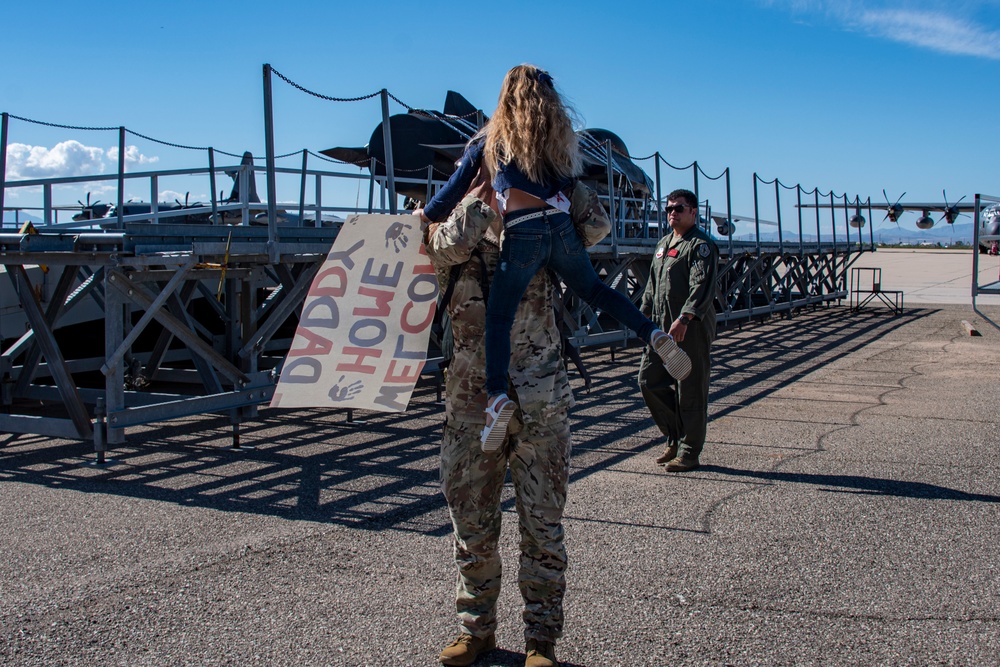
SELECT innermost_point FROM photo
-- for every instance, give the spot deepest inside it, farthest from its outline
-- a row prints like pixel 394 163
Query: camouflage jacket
pixel 537 371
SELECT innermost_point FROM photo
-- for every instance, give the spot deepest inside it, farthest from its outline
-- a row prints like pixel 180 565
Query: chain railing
pixel 637 214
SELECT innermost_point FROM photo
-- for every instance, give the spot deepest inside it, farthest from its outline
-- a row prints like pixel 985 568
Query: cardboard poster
pixel 362 336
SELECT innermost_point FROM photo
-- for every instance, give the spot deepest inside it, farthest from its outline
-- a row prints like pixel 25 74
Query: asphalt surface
pixel 847 513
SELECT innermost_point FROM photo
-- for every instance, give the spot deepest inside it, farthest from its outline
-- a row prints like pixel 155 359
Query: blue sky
pixel 849 96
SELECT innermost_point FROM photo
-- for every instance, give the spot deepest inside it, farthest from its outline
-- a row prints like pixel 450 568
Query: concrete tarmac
pixel 934 275
pixel 847 513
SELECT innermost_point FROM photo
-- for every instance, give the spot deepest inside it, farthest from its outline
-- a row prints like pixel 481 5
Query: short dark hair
pixel 687 196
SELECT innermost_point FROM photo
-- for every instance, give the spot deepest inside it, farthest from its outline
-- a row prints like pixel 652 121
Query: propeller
pixel 892 211
pixel 91 210
pixel 187 201
pixel 950 212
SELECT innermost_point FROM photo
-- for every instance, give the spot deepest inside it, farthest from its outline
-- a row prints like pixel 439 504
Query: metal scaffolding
pixel 199 302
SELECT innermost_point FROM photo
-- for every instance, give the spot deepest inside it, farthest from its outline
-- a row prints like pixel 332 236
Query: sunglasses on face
pixel 679 208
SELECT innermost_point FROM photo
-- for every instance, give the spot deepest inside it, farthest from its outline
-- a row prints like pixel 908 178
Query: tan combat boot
pixel 669 454
pixel 464 650
pixel 540 654
pixel 683 464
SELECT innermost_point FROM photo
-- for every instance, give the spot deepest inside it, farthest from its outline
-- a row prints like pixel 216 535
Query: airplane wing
pixel 938 206
pixel 351 155
pixel 718 218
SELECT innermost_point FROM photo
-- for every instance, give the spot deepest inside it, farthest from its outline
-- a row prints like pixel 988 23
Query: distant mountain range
pixel 890 235
pixel 9 222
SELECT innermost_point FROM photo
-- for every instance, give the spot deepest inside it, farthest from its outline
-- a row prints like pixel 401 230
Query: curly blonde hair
pixel 532 128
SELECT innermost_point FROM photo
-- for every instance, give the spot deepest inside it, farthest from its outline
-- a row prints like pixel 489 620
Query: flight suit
pixel 682 280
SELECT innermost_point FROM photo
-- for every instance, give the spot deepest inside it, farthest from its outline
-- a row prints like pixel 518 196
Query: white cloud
pixel 67 158
pixel 173 195
pixel 132 156
pixel 932 30
pixel 946 27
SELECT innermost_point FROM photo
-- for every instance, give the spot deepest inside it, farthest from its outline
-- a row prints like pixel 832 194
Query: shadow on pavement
pixel 873 486
pixel 383 473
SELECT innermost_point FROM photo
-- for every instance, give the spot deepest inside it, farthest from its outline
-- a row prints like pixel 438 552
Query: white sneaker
pixel 674 359
pixel 500 409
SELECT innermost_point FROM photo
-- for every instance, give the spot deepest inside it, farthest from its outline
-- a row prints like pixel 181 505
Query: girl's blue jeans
pixel 548 241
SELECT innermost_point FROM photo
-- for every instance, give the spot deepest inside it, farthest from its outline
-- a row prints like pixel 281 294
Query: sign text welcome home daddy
pixel 362 336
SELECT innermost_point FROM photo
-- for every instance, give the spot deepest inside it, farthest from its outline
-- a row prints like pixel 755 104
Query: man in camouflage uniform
pixel 680 299
pixel 537 451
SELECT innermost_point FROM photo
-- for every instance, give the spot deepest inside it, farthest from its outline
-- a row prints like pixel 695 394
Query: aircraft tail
pixel 234 196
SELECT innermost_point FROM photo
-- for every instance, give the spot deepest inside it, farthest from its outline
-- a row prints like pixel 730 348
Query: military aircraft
pixel 726 224
pixel 950 211
pixel 284 218
pixel 99 211
pixel 989 229
pixel 203 217
pixel 91 210
pixel 989 215
pixel 104 214
pixel 422 138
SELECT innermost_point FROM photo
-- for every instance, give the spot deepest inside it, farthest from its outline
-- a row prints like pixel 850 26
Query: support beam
pixel 53 355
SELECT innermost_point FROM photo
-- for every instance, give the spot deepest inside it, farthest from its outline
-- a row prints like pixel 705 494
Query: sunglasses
pixel 679 208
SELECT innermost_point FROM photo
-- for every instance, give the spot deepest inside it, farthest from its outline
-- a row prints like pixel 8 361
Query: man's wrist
pixel 684 319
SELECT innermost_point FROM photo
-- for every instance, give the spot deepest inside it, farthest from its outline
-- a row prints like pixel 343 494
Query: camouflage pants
pixel 472 483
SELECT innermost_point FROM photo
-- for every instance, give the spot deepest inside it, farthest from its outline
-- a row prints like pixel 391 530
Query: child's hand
pixel 424 220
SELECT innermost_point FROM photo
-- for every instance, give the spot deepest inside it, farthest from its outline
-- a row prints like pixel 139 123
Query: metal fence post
pixel 211 180
pixel 819 233
pixel 756 212
pixel 390 171
pixel 121 176
pixel 3 161
pixel 302 189
pixel 371 185
pixel 697 195
pixel 659 207
pixel 729 210
pixel 272 208
pixel 975 252
pixel 611 201
pixel 777 206
pixel 798 199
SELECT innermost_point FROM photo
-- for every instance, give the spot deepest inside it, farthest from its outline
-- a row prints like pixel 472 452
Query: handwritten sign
pixel 362 337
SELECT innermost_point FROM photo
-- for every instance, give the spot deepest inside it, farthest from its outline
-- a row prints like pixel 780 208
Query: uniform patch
pixel 659 253
pixel 672 252
pixel 704 250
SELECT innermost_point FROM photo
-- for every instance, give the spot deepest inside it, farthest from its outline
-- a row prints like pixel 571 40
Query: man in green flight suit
pixel 680 299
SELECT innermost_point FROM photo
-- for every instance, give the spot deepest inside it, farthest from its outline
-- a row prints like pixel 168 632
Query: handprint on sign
pixel 398 237
pixel 339 394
